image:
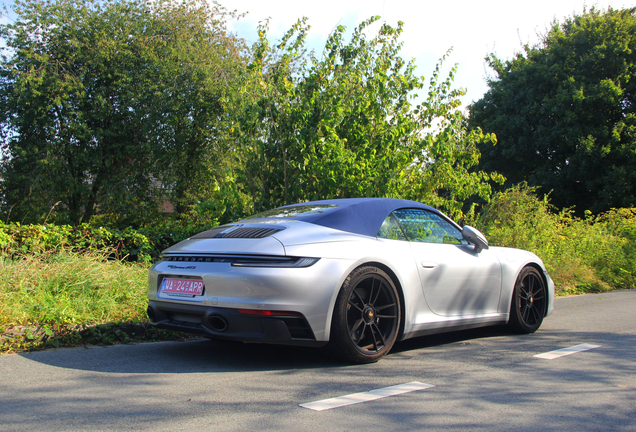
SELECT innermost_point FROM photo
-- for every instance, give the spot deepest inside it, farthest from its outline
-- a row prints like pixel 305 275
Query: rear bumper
pixel 230 324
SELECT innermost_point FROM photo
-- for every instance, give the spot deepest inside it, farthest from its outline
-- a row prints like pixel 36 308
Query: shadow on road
pixel 202 355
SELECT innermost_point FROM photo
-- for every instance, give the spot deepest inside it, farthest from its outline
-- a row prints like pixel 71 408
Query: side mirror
pixel 473 236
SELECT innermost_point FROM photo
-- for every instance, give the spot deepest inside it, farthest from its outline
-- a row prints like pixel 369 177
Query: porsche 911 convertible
pixel 355 274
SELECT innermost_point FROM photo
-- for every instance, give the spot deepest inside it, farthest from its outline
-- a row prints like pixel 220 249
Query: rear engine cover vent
pixel 209 234
pixel 237 232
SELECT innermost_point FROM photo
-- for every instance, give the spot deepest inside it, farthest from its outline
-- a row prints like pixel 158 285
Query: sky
pixel 472 28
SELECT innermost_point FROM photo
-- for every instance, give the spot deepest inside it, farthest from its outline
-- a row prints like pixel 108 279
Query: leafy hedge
pixel 142 244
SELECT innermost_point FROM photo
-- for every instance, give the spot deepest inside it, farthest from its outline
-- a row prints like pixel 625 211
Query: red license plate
pixel 182 286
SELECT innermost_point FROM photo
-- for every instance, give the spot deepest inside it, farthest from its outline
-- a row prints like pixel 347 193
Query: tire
pixel 366 317
pixel 529 302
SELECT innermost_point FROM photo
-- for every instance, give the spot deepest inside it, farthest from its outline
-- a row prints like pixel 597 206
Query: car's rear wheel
pixel 366 317
pixel 529 302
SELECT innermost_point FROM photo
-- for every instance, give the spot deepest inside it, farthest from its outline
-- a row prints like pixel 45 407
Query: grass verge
pixel 70 299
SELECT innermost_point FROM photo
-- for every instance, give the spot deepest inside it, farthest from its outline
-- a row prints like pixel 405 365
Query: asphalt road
pixel 483 380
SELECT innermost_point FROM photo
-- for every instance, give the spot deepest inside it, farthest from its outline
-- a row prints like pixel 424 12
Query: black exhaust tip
pixel 217 323
pixel 151 313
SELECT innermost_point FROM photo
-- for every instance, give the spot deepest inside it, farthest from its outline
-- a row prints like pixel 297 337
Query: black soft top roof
pixel 355 215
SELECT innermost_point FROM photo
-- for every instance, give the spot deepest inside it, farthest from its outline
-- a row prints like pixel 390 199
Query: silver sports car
pixel 356 274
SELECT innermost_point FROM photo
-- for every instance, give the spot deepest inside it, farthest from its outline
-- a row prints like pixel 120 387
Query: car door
pixel 456 279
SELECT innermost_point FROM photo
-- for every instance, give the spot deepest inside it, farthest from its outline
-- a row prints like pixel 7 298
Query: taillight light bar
pixel 259 312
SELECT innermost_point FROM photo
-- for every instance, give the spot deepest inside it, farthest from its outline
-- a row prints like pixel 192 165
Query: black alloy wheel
pixel 366 318
pixel 529 302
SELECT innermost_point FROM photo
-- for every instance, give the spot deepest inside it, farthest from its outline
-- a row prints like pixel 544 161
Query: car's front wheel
pixel 366 317
pixel 529 302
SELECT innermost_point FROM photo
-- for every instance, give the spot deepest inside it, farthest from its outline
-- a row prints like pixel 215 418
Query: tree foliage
pixel 564 112
pixel 109 105
pixel 345 124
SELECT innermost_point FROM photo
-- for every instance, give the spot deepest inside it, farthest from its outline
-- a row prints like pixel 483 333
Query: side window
pixel 423 226
pixel 390 229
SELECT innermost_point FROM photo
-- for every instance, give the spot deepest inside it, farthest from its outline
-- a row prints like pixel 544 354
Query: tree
pixel 563 112
pixel 73 129
pixel 344 125
pixel 110 105
pixel 197 63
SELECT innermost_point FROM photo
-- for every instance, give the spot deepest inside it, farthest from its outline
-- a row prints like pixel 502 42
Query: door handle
pixel 429 264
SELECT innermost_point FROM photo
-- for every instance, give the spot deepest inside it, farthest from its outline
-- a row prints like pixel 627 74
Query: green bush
pixel 595 253
pixel 616 262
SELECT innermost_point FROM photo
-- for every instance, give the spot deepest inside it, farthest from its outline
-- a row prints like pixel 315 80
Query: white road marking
pixel 566 351
pixel 365 396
